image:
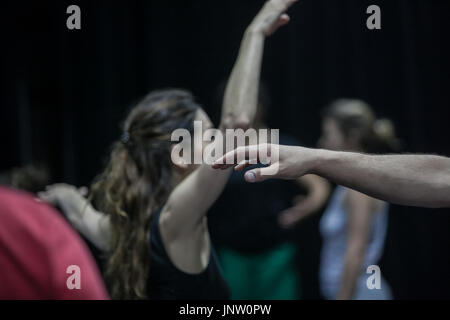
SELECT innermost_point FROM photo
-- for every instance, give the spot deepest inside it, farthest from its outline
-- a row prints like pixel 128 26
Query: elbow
pixel 236 122
pixel 243 122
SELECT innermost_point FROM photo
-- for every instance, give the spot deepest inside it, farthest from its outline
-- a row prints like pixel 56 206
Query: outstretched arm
pixel 416 180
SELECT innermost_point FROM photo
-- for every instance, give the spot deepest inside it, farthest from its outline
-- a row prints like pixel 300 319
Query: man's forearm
pixel 416 180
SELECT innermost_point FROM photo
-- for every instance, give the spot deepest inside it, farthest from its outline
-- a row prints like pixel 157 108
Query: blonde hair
pixel 356 116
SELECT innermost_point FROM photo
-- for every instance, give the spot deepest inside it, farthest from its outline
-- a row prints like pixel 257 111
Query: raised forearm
pixel 241 94
pixel 416 180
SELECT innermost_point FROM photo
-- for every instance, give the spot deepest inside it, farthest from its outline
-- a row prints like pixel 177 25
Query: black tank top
pixel 167 282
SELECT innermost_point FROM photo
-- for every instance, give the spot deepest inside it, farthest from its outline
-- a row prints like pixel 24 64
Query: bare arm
pixel 318 191
pixel 92 224
pixel 192 198
pixel 360 210
pixel 241 94
pixel 415 180
pixel 182 223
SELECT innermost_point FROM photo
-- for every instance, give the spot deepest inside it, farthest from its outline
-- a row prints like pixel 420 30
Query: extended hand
pixel 285 162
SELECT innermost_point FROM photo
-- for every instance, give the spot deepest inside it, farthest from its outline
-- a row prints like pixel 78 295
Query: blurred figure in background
pixel 37 249
pixel 34 178
pixel 31 178
pixel 257 253
pixel 354 225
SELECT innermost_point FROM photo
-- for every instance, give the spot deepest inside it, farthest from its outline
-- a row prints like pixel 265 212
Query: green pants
pixel 270 275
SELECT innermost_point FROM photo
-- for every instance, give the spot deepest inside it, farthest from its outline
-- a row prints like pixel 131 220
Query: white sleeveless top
pixel 333 228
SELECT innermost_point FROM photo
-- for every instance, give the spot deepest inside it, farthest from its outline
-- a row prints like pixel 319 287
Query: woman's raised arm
pixel 192 198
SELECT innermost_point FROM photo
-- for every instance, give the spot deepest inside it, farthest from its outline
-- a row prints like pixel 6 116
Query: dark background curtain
pixel 64 93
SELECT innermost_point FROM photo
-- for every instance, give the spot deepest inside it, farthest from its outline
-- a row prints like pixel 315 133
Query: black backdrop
pixel 64 92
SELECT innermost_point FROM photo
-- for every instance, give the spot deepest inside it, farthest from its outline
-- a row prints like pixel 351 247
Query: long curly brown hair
pixel 136 182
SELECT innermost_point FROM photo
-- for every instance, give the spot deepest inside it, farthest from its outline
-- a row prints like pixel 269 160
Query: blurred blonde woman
pixel 354 225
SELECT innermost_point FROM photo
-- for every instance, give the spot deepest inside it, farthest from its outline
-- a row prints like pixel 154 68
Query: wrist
pixel 255 30
pixel 318 160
